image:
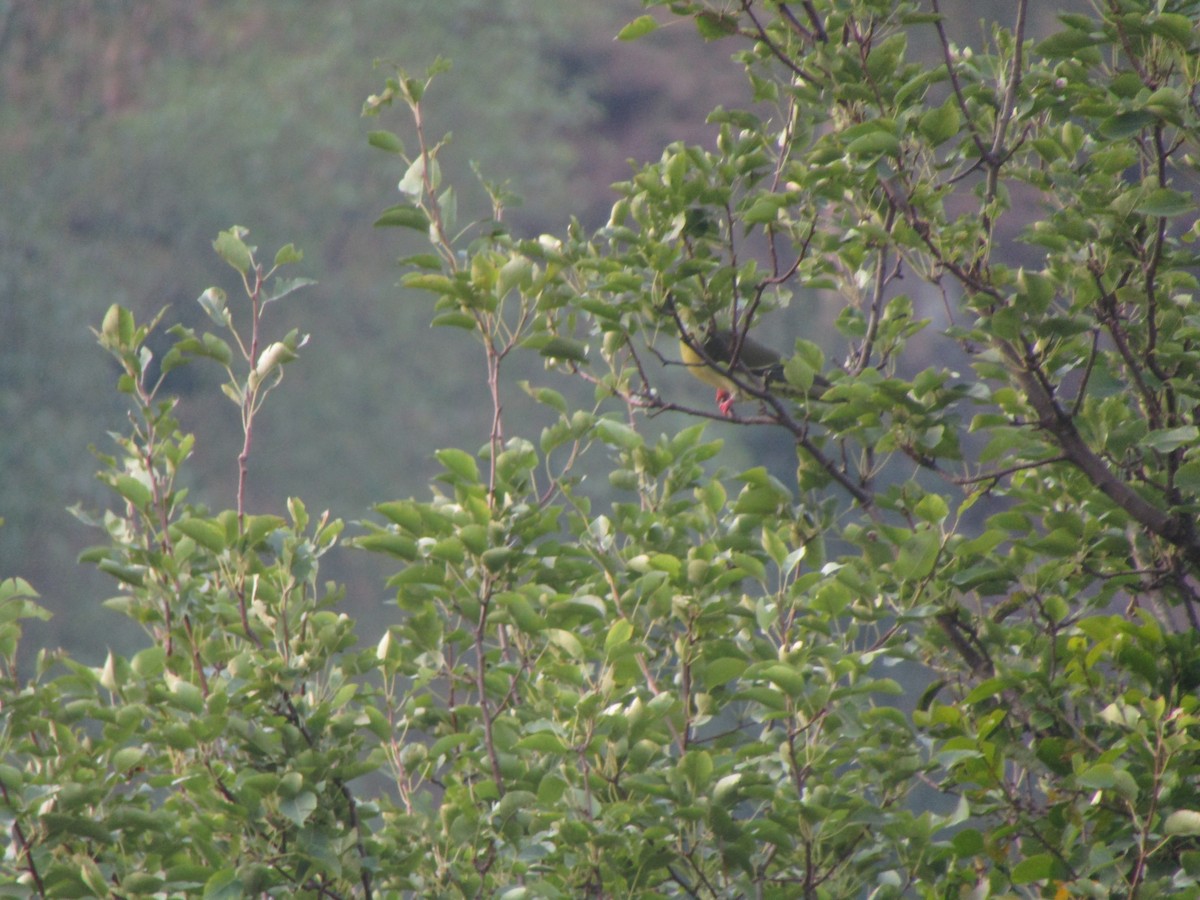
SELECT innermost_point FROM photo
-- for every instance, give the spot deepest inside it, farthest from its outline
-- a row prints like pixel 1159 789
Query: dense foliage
pixel 955 655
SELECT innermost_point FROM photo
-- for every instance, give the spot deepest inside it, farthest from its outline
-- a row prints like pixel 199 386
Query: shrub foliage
pixel 955 654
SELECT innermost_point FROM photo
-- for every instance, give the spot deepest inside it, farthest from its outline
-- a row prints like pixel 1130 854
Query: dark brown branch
pixel 877 292
pixel 1053 420
pixel 1111 320
pixel 776 50
pixel 952 73
pixel 22 846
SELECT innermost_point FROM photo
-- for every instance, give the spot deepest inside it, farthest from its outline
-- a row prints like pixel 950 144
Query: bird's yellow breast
pixel 704 370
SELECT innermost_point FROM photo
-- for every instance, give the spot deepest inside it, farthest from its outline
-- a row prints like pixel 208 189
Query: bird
pixel 717 367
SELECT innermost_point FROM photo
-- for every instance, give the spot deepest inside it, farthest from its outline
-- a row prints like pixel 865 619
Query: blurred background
pixel 131 133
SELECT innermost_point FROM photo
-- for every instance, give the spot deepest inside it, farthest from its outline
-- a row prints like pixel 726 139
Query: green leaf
pixel 448 549
pixel 1167 103
pixel 205 532
pixel 619 633
pixel 141 884
pixel 551 789
pixel 258 527
pixel 542 742
pixel 722 671
pixel 521 610
pixel 546 396
pixel 127 757
pixel 59 824
pixel 1167 439
pixel 387 542
pixel 713 26
pixel 281 287
pixel 618 434
pixel 1164 202
pixel 134 490
pixel 833 597
pixel 288 254
pixel 459 463
pixel 1101 776
pixel 149 662
pixel 413 183
pixel 764 210
pixel 874 143
pixel 455 319
pixel 213 301
pixel 405 513
pixel 113 328
pixel 886 56
pixel 13 590
pixel 403 215
pixel 932 508
pixel 299 807
pixel 697 765
pixel 772 833
pixel 1176 27
pixel 429 261
pixel 918 554
pixel 187 696
pixel 941 123
pixel 566 641
pixel 638 28
pixel 385 140
pixel 444 745
pixel 759 500
pixel 1036 290
pixel 1065 44
pixel 1040 867
pixel 564 348
pixel 447 208
pixel 223 885
pixel 787 678
pixel 1191 862
pixel 215 348
pixel 133 575
pixel 1126 124
pixel 1183 822
pixel 231 248
pixel 433 282
pixel 516 273
pixel 968 842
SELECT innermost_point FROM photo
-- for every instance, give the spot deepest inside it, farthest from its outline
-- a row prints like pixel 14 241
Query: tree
pixel 685 682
